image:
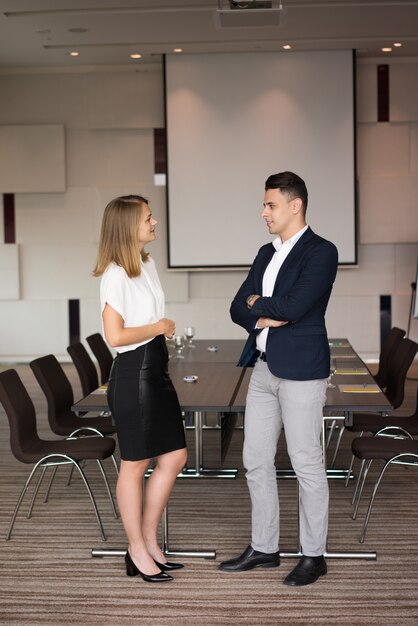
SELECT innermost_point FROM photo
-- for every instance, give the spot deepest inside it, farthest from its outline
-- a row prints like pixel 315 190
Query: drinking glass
pixel 189 332
pixel 178 344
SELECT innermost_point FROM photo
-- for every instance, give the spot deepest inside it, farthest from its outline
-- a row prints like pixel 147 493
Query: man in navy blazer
pixel 282 306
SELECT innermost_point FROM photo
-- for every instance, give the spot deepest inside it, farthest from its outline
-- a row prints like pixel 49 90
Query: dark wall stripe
pixel 160 151
pixel 74 320
pixel 385 317
pixel 9 218
pixel 383 93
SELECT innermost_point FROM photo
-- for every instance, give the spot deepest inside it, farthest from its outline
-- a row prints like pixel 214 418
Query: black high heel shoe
pixel 132 570
pixel 167 566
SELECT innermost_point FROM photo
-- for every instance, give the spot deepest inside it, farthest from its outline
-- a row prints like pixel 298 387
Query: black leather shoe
pixel 133 570
pixel 167 566
pixel 250 559
pixel 307 571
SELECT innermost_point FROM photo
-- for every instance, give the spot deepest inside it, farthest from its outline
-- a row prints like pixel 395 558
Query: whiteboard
pixel 234 119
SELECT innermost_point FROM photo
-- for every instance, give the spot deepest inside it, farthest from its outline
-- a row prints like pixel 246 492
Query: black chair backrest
pixel 57 389
pixel 103 355
pixel 388 350
pixel 398 368
pixel 85 367
pixel 21 414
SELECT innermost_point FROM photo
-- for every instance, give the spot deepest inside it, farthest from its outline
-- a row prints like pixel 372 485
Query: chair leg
pixel 394 459
pixel 350 469
pixel 360 487
pixel 112 502
pixel 21 496
pixel 35 493
pixel 337 446
pixel 93 501
pixel 115 463
pixel 347 480
pixel 359 477
pixel 70 476
pixel 331 432
pixel 372 497
pixel 46 498
pixel 29 479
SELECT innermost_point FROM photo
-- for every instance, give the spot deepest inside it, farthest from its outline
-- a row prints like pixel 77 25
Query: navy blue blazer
pixel 298 350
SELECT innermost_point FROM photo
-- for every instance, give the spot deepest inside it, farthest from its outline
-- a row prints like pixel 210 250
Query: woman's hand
pixel 168 327
pixel 267 322
pixel 117 335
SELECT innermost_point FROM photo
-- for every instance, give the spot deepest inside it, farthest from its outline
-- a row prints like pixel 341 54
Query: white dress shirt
pixel 270 275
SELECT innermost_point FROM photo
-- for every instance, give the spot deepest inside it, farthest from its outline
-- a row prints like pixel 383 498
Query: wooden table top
pixel 337 400
pixel 209 351
pixel 213 390
pixel 222 386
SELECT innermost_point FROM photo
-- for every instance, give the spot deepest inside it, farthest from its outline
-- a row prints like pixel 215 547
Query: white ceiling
pixel 37 33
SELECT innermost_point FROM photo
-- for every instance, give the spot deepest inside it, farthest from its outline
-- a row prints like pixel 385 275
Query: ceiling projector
pixel 248 13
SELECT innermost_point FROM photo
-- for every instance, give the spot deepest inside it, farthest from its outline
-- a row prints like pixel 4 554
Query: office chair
pixel 103 355
pixel 397 369
pixel 60 398
pixel 389 348
pixel 395 393
pixel 85 367
pixel 399 450
pixel 27 446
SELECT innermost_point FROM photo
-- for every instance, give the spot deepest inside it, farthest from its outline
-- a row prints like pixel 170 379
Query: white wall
pixel 109 117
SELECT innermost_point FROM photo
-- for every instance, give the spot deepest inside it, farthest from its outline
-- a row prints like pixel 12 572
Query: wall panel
pixel 34 327
pixel 404 91
pixel 388 209
pixel 32 158
pixel 9 272
pixel 383 149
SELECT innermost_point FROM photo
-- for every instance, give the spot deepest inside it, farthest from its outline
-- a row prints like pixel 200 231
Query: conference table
pixel 202 386
pixel 207 380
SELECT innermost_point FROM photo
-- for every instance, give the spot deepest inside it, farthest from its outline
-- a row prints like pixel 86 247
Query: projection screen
pixel 234 119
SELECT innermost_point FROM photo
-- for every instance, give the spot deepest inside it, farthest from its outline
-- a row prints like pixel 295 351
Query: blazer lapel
pixel 292 254
pixel 264 262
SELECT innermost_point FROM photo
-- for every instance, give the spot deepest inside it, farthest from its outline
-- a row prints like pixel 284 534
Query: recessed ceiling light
pixel 386 49
pixel 397 44
pixel 287 46
pixel 135 56
pixel 74 53
pixel 178 50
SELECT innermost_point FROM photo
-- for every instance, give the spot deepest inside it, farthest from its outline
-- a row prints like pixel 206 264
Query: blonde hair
pixel 119 236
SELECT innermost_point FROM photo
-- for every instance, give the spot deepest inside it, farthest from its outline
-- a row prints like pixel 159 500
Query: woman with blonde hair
pixel 141 396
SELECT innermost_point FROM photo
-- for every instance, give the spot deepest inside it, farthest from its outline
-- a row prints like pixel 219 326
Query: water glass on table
pixel 189 333
pixel 179 345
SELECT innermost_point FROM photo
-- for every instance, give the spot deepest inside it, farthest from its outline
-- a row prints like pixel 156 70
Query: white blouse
pixel 139 300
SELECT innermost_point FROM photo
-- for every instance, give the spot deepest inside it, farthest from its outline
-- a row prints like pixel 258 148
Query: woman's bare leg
pixel 157 492
pixel 129 497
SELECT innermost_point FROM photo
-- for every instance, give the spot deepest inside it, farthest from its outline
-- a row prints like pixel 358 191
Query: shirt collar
pixel 277 243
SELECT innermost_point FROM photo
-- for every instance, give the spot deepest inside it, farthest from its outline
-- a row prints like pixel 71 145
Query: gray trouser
pixel 272 404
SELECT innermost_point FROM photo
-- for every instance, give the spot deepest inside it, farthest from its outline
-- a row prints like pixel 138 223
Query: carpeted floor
pixel 47 575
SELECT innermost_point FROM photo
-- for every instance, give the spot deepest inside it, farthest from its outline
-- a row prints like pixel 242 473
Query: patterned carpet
pixel 47 575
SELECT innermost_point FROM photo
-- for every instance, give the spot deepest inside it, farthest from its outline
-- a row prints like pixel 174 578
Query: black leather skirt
pixel 144 403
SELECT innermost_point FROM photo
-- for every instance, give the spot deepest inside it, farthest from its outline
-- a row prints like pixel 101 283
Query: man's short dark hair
pixel 290 184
